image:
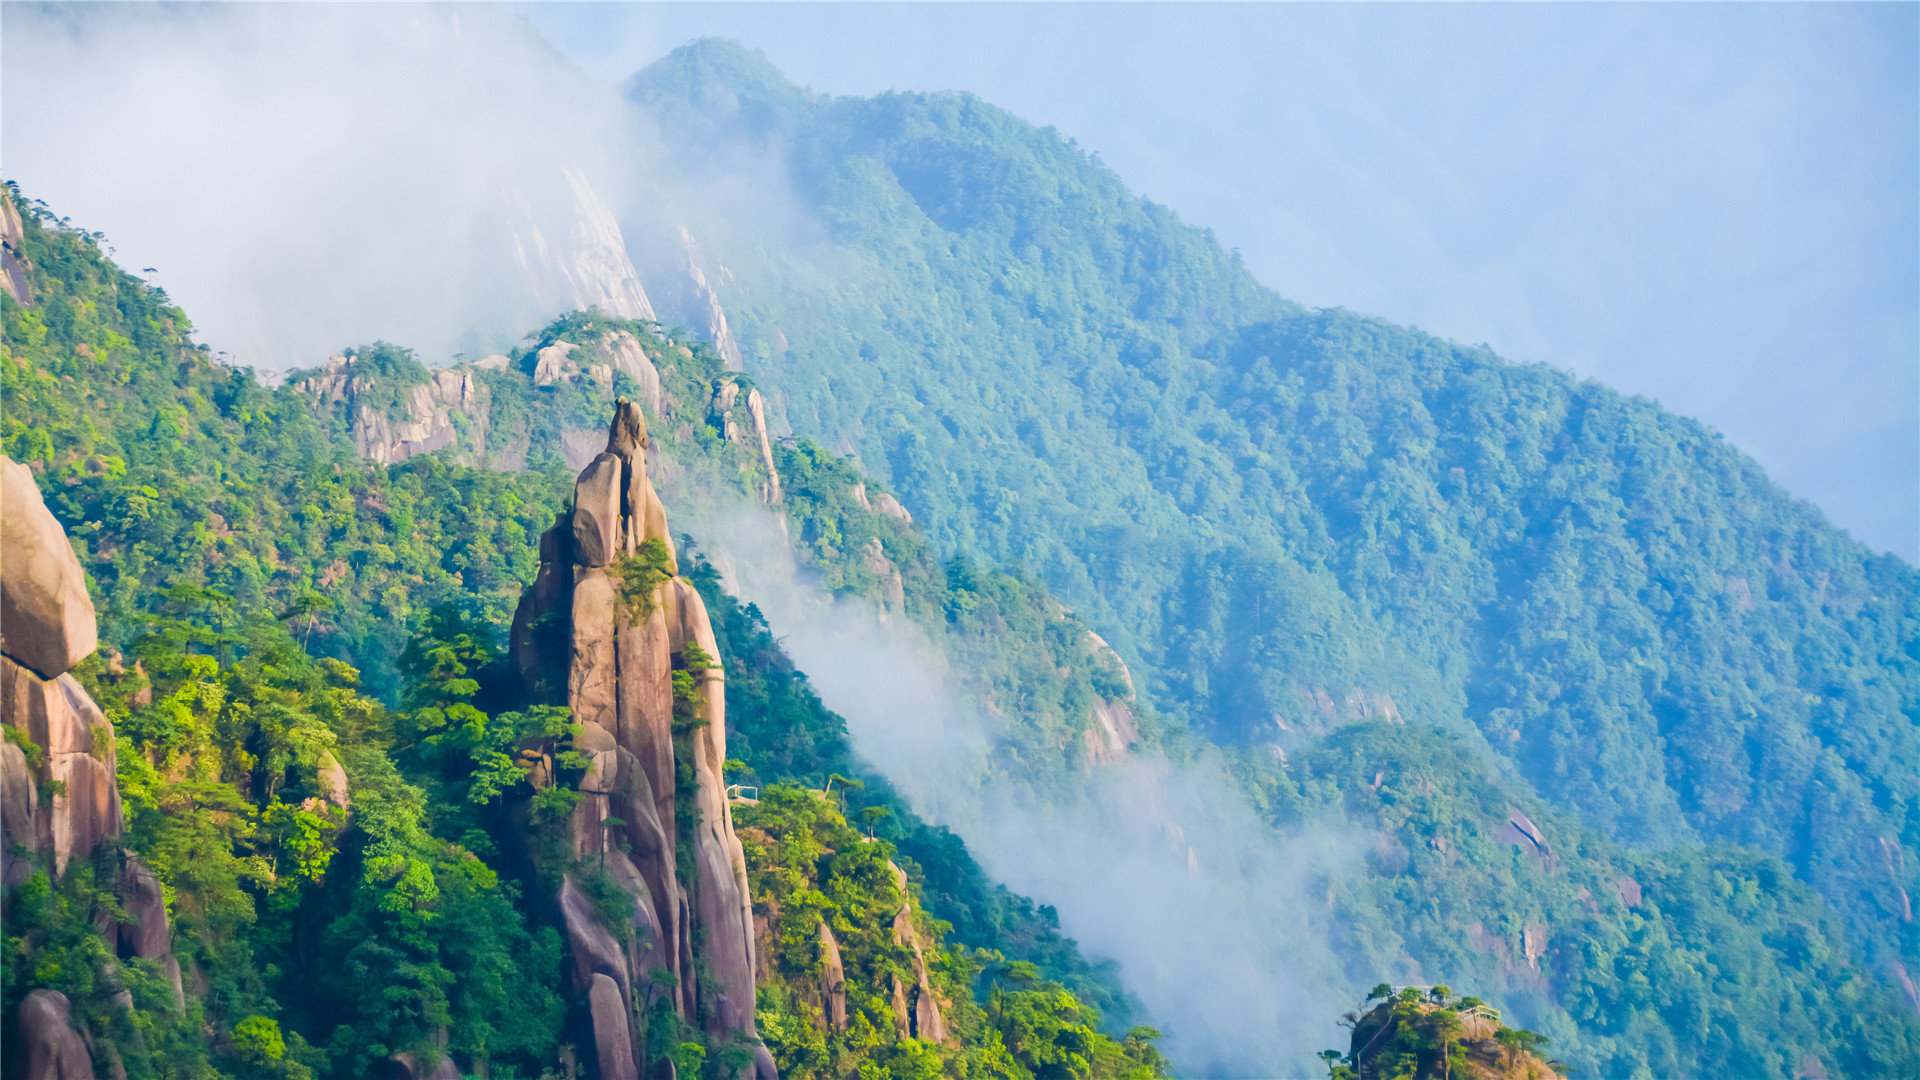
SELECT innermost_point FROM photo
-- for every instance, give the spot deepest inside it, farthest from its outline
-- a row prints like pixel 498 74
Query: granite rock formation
pixel 59 743
pixel 605 627
pixel 429 422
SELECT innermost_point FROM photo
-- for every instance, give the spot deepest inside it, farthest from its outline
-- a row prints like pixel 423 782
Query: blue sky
pixel 1713 205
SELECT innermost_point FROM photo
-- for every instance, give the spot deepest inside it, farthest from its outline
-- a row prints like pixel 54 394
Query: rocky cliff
pixel 610 628
pixel 59 800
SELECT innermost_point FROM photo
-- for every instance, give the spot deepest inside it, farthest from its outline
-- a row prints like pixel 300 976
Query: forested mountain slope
pixel 358 876
pixel 1291 520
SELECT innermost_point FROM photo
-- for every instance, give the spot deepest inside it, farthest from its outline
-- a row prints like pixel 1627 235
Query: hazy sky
pixel 1713 205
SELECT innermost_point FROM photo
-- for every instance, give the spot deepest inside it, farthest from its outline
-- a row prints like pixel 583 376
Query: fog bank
pixel 1218 925
pixel 306 177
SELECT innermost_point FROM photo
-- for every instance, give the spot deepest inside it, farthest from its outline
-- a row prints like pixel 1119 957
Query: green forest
pixel 1382 577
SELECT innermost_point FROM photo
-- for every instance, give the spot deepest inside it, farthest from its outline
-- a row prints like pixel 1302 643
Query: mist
pixel 307 177
pixel 1219 925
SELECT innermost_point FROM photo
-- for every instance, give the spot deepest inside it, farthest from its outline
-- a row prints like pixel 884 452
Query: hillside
pixel 1288 521
pixel 350 876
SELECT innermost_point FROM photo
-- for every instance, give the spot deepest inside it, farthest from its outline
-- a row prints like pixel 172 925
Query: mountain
pixel 1289 520
pixel 230 855
pixel 1603 723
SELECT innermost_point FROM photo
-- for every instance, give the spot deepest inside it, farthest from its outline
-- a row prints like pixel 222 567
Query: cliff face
pixel 59 801
pixel 608 625
pixel 429 423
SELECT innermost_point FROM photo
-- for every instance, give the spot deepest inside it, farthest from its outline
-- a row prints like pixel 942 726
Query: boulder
pixel 612 1037
pixel 146 934
pixel 591 947
pixel 596 512
pixel 886 505
pixel 46 618
pixel 49 1048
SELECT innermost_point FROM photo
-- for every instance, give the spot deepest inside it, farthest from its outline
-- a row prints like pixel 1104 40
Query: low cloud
pixel 1219 925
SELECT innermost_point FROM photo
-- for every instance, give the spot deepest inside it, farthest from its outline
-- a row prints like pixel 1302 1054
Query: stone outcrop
pixel 743 419
pixel 58 742
pixel 705 303
pixel 612 660
pixel 1113 731
pixel 46 619
pixel 13 268
pixel 429 423
pixel 916 1008
pixel 833 981
pixel 44 1044
pixel 585 263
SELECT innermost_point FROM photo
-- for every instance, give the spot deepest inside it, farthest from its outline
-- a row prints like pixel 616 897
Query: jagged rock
pixel 495 362
pixel 591 947
pixel 596 512
pixel 63 721
pixel 925 1021
pixel 551 363
pixel 612 1038
pixel 833 980
pixel 620 689
pixel 428 424
pixel 886 505
pixel 622 352
pixel 756 408
pixel 893 590
pixel 49 1048
pixel 46 618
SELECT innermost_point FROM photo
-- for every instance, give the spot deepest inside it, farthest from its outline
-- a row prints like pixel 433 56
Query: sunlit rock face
pixel 605 628
pixel 58 742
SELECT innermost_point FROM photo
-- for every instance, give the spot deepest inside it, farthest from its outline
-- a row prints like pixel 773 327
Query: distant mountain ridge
pixel 1288 520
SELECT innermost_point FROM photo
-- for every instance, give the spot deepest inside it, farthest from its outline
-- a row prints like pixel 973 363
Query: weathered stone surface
pixel 886 505
pixel 63 721
pixel 612 1038
pixel 539 643
pixel 596 512
pixel 333 779
pixel 46 618
pixel 591 948
pixel 646 702
pixel 147 934
pixel 623 352
pixel 49 1048
pixel 756 408
pixel 833 980
pixel 551 363
pixel 620 687
pixel 591 678
pixel 19 804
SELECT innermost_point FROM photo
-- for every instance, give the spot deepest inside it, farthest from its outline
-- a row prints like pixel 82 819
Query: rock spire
pixel 605 627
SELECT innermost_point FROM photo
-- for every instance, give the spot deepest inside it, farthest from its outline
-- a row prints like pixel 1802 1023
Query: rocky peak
pixel 609 610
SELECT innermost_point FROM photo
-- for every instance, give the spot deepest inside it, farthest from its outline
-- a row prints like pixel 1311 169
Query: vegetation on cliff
pixel 335 853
